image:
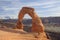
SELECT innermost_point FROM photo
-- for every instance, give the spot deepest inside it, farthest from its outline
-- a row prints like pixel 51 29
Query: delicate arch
pixel 37 25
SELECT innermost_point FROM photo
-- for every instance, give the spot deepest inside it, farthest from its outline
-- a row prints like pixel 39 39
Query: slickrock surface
pixel 15 34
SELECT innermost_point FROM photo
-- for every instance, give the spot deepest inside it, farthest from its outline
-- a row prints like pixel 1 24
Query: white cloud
pixel 55 9
pixel 55 14
pixel 10 9
pixel 11 16
pixel 16 5
pixel 31 4
pixel 39 3
pixel 48 6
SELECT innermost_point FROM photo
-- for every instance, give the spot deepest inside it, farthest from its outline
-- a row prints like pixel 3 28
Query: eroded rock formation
pixel 37 25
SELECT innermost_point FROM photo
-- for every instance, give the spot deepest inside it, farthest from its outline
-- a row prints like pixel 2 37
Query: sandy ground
pixel 15 34
pixel 9 34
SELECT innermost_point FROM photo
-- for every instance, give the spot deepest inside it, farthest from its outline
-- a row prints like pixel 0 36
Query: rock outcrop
pixel 37 26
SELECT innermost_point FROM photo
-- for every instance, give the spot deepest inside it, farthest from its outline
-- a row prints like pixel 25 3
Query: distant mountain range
pixel 44 20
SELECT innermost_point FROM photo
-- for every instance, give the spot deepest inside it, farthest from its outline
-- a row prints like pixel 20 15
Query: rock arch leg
pixel 37 25
pixel 20 18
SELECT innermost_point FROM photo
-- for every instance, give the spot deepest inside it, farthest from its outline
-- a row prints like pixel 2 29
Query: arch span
pixel 37 25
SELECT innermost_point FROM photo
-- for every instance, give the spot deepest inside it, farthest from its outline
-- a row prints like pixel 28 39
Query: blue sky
pixel 44 8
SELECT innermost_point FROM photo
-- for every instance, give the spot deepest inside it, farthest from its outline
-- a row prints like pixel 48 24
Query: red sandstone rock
pixel 37 25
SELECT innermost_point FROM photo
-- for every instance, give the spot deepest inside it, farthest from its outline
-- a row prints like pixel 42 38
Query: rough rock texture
pixel 17 34
pixel 37 26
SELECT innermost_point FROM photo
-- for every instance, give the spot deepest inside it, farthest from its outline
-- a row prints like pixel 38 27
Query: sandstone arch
pixel 37 25
pixel 36 21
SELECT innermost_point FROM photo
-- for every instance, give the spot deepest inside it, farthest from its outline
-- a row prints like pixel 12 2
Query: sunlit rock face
pixel 37 26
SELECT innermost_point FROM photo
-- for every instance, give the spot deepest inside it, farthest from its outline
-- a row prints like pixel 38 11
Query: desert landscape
pixel 7 31
pixel 29 19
